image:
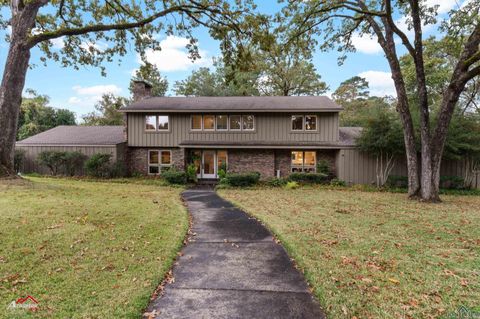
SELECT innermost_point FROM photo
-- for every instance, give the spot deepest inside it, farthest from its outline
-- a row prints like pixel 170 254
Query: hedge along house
pixel 273 135
pixel 87 140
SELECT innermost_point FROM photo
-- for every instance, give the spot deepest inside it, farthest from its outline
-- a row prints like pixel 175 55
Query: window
pixel 163 123
pixel 158 161
pixel 248 122
pixel 196 122
pixel 150 122
pixel 156 123
pixel 310 122
pixel 235 122
pixel 222 122
pixel 297 123
pixel 209 122
pixel 304 161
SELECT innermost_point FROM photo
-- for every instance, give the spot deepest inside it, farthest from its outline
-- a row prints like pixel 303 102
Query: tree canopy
pixel 335 24
pixel 106 111
pixel 150 73
pixel 36 116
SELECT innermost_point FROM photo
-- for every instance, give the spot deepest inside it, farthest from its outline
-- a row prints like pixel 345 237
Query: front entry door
pixel 209 164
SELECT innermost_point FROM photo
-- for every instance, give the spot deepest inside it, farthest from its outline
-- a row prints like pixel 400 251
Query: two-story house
pixel 274 135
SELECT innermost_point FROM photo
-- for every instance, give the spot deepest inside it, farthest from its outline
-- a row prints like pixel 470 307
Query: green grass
pixel 86 249
pixel 376 255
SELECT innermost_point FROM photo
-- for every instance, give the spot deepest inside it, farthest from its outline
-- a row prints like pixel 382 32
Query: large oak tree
pixel 81 28
pixel 336 22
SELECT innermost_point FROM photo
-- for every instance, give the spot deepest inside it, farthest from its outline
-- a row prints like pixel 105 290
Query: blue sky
pixel 79 90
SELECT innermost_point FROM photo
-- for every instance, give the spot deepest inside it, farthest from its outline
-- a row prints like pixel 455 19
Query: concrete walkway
pixel 232 269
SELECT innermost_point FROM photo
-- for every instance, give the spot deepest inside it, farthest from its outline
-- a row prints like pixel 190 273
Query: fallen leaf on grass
pixel 55 226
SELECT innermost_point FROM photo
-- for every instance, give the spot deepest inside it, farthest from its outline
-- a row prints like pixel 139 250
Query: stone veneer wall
pixel 257 160
pixel 137 158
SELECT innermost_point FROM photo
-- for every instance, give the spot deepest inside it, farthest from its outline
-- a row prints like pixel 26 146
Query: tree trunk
pixel 13 81
pixel 11 89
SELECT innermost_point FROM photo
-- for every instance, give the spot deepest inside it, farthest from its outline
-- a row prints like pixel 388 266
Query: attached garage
pixel 87 140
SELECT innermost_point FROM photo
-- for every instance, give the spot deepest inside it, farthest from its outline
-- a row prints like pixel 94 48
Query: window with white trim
pixel 310 122
pixel 209 122
pixel 297 123
pixel 222 122
pixel 235 122
pixel 158 161
pixel 304 123
pixel 248 122
pixel 304 161
pixel 157 123
pixel 196 122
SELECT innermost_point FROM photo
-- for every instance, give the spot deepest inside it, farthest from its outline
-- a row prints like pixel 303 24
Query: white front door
pixel 209 164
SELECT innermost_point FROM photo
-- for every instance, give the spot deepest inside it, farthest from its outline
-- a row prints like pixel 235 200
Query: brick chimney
pixel 141 90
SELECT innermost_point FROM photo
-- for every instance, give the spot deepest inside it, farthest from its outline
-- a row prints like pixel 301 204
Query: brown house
pixel 273 135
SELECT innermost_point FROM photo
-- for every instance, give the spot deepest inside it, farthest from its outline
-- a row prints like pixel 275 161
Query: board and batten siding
pixel 268 127
pixel 30 163
pixel 356 167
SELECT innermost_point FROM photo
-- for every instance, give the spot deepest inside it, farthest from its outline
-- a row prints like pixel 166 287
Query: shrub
pixel 291 185
pixel 337 183
pixel 18 160
pixel 276 182
pixel 72 161
pixel 117 169
pixel 98 165
pixel 396 181
pixel 192 173
pixel 174 176
pixel 452 182
pixel 241 180
pixel 54 160
pixel 323 167
pixel 314 178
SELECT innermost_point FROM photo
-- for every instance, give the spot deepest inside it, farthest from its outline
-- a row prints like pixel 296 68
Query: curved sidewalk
pixel 232 268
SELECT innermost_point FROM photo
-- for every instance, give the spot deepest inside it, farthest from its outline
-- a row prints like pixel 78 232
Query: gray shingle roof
pixel 235 104
pixel 349 134
pixel 78 135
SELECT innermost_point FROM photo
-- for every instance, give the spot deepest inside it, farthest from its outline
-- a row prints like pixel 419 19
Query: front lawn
pixel 376 255
pixel 86 249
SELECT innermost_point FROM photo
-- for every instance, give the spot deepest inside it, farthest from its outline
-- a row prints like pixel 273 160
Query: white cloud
pixel 366 44
pixel 173 55
pixel 87 96
pixel 380 83
pixel 58 43
pixel 443 5
pixel 97 90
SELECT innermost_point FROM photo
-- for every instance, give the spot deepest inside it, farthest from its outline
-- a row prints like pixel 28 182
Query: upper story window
pixel 157 123
pixel 209 122
pixel 163 122
pixel 222 122
pixel 196 122
pixel 304 122
pixel 150 123
pixel 235 122
pixel 248 122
